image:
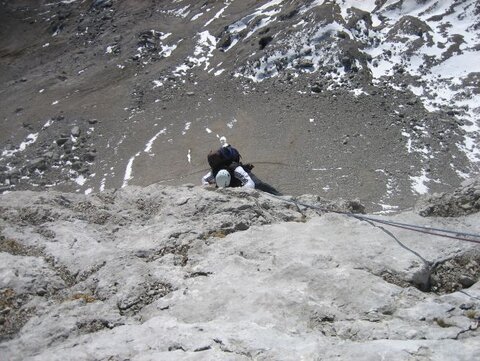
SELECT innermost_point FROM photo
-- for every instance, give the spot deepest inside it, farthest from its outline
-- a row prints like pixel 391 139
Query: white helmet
pixel 223 178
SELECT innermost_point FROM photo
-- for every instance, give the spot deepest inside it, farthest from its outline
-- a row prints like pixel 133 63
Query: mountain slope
pixel 376 100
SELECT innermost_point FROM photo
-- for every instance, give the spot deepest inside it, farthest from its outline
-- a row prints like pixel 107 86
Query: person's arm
pixel 208 179
pixel 244 178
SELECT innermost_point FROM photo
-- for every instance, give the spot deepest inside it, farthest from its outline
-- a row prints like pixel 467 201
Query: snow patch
pixel 231 123
pixel 195 17
pixel 102 184
pixel 167 50
pixel 157 84
pixel 187 127
pixel 419 183
pixel 148 146
pixel 358 92
pixel 47 124
pixel 80 180
pixel 128 170
pixel 409 141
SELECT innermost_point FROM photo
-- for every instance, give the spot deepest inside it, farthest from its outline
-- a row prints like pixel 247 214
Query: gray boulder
pixel 37 164
pixel 75 131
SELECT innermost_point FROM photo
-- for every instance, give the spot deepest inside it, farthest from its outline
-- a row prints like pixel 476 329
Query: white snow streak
pixel 29 140
pixel 148 146
pixel 187 127
pixel 128 170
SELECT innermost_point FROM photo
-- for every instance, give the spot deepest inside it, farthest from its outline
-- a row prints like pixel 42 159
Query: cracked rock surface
pixel 191 273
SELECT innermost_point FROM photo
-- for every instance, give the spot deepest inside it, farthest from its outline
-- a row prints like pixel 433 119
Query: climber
pixel 226 170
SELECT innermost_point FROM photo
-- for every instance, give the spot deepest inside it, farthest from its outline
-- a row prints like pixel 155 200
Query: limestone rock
pixel 167 272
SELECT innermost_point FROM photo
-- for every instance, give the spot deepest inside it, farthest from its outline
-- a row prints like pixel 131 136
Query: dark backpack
pixel 223 157
pixel 230 154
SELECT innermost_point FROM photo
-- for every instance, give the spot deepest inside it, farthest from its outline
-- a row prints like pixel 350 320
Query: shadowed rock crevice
pixel 179 251
pixel 16 248
pixel 454 274
pixel 92 326
pixel 13 313
pixel 143 296
pixel 443 277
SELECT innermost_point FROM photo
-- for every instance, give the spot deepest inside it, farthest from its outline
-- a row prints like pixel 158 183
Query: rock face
pixel 190 273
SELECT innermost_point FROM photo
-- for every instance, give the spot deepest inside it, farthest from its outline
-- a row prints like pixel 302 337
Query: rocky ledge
pixel 464 200
pixel 191 273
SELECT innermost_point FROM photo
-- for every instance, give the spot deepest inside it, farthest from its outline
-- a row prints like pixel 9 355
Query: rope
pixel 457 235
pixel 424 227
pixel 427 230
pixel 428 263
